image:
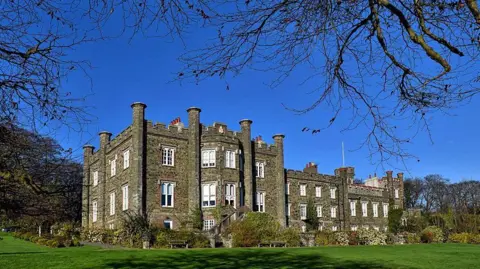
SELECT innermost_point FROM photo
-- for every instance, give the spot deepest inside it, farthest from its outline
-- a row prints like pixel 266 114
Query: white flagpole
pixel 343 156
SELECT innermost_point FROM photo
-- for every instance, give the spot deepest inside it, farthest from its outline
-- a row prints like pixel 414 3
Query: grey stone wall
pixel 144 176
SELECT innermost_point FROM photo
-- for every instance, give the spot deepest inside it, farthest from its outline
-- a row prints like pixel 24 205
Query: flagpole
pixel 343 156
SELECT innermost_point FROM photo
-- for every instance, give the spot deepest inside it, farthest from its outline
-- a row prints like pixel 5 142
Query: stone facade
pixel 169 170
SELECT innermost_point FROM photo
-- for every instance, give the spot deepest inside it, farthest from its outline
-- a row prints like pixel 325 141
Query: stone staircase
pixel 228 216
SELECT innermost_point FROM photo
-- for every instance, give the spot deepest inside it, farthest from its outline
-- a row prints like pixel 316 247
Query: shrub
pixel 413 238
pixel 352 238
pixel 394 219
pixel 199 241
pixel 475 239
pixel 459 238
pixel 291 236
pixel 341 238
pixel 253 229
pixel 431 234
pixel 371 237
pixel 324 238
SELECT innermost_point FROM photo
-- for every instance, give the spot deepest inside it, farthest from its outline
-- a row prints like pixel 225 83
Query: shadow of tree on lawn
pixel 248 258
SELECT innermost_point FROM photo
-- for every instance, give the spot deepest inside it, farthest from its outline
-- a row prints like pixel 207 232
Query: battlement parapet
pixel 297 174
pixel 120 138
pixel 365 190
pixel 177 131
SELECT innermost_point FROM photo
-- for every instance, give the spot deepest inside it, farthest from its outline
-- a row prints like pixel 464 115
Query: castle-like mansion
pixel 169 170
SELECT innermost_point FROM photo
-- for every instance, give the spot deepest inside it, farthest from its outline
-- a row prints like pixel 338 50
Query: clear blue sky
pixel 140 71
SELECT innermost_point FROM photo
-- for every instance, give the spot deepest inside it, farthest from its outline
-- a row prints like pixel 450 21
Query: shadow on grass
pixel 249 258
pixel 21 253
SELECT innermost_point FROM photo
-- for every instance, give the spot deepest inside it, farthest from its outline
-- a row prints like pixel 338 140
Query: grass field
pixel 16 253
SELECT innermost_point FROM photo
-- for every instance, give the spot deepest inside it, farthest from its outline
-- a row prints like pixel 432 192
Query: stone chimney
pixel 311 167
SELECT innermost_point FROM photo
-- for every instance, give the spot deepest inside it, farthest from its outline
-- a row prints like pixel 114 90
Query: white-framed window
pixel 208 158
pixel 319 211
pixel 385 228
pixel 354 227
pixel 125 197
pixel 126 159
pixel 208 224
pixel 364 209
pixel 94 211
pixel 287 188
pixel 396 194
pixel 111 226
pixel 209 194
pixel 230 159
pixel 376 228
pixel 353 208
pixel 304 228
pixel 168 156
pixel 366 227
pixel 95 178
pixel 260 169
pixel 385 210
pixel 168 194
pixel 333 212
pixel 112 203
pixel 260 201
pixel 334 228
pixel 303 189
pixel 375 210
pixel 303 211
pixel 289 207
pixel 230 194
pixel 318 191
pixel 395 207
pixel 113 167
pixel 168 224
pixel 333 192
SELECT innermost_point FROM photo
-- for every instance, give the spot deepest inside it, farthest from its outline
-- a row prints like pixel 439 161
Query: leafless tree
pixel 367 57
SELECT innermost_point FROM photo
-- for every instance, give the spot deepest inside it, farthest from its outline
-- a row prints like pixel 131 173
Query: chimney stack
pixel 310 167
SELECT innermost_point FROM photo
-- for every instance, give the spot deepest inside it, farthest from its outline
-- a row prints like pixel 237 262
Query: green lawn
pixel 16 253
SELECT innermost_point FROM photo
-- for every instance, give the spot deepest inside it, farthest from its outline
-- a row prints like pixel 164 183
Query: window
pixel 126 159
pixel 333 212
pixel 112 203
pixel 125 197
pixel 304 228
pixel 375 210
pixel 230 159
pixel 303 211
pixel 354 228
pixel 353 208
pixel 168 224
pixel 287 188
pixel 334 228
pixel 208 158
pixel 364 209
pixel 95 178
pixel 395 206
pixel 303 189
pixel 94 211
pixel 318 191
pixel 289 206
pixel 366 227
pixel 113 170
pixel 319 211
pixel 376 228
pixel 260 201
pixel 209 194
pixel 333 192
pixel 168 156
pixel 168 191
pixel 208 224
pixel 111 226
pixel 385 229
pixel 260 169
pixel 396 194
pixel 385 210
pixel 230 194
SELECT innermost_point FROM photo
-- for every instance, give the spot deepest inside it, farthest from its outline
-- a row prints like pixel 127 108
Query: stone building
pixel 169 170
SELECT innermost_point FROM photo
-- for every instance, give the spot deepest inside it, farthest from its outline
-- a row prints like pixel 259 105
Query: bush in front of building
pixel 48 240
pixel 291 236
pixel 371 237
pixel 341 238
pixel 324 238
pixel 253 229
pixel 431 234
pixel 464 238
